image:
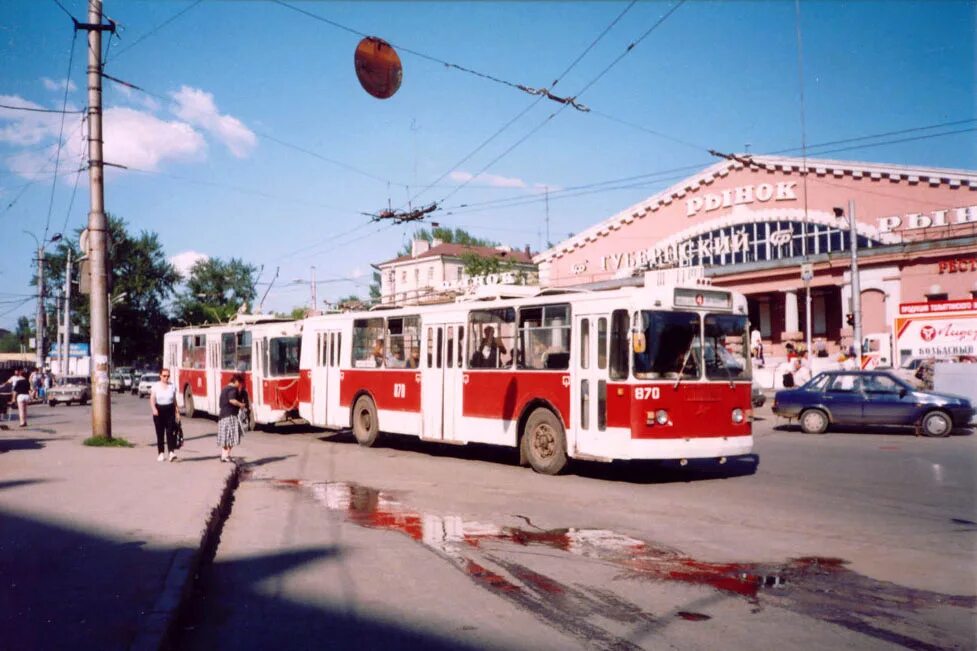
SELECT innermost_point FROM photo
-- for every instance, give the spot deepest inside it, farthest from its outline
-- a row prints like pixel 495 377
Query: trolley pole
pixel 97 228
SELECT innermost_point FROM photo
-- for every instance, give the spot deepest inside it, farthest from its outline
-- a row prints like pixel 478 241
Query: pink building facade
pixel 753 222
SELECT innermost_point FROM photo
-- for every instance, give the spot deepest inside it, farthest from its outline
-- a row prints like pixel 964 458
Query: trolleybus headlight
pixel 738 416
pixel 661 417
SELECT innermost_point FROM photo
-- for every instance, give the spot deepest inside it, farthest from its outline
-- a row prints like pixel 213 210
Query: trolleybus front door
pixel 441 373
pixel 588 395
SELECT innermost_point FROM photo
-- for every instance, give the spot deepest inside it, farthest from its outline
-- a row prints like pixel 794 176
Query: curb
pixel 159 626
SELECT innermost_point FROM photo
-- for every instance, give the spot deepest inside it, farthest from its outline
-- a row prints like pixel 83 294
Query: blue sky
pixel 228 82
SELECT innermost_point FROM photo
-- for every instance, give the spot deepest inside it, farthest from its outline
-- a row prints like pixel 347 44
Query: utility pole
pixel 66 351
pixel 39 336
pixel 97 227
pixel 856 289
pixel 315 302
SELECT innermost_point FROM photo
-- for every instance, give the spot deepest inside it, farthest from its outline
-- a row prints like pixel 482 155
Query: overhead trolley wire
pixel 504 127
pixel 586 87
pixel 40 110
pixel 152 31
pixel 64 105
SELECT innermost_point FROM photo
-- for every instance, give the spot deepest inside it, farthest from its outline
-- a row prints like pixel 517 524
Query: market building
pixel 753 221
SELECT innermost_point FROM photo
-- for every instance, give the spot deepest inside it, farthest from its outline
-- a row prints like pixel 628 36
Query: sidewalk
pixel 98 544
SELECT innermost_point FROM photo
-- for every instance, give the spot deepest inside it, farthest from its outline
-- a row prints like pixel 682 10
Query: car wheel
pixel 543 443
pixel 937 423
pixel 366 428
pixel 814 421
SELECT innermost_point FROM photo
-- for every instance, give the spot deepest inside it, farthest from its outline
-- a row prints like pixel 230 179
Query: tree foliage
pixel 216 290
pixel 142 281
pixel 447 236
pixel 11 342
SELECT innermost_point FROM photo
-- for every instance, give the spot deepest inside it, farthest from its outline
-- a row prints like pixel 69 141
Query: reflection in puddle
pixel 822 588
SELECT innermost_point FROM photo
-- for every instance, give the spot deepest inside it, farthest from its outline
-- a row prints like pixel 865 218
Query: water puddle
pixel 822 588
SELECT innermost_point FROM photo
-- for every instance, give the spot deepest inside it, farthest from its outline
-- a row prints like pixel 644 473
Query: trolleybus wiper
pixel 681 371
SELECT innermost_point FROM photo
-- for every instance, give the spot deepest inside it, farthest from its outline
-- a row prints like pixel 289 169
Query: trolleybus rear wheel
pixel 544 443
pixel 188 409
pixel 365 424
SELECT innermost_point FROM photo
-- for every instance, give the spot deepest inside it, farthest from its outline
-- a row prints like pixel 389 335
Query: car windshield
pixel 150 378
pixel 77 381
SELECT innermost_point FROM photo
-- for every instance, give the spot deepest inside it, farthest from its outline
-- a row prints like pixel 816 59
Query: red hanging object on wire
pixel 378 67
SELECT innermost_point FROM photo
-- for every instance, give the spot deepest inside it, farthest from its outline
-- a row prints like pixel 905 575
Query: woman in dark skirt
pixel 229 427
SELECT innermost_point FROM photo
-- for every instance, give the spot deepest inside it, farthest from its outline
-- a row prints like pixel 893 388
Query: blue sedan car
pixel 870 398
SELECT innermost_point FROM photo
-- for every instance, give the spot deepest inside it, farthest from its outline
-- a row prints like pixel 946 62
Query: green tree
pixel 216 290
pixel 12 341
pixel 141 281
pixel 447 236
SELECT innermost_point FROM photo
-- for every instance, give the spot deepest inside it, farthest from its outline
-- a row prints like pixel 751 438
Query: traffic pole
pixel 97 228
pixel 856 290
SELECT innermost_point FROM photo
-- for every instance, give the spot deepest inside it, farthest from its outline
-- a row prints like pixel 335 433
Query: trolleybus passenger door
pixel 588 394
pixel 213 375
pixel 432 381
pixel 440 372
pixel 325 376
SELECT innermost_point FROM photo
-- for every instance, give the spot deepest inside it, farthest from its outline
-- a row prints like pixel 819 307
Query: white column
pixel 791 318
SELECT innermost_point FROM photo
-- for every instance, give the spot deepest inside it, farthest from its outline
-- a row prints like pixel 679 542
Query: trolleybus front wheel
pixel 365 424
pixel 544 443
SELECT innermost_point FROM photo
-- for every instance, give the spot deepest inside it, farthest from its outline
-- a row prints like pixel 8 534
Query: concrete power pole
pixel 856 289
pixel 40 326
pixel 97 228
pixel 66 351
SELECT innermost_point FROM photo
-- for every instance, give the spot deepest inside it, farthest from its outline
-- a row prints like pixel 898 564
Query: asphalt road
pixel 851 539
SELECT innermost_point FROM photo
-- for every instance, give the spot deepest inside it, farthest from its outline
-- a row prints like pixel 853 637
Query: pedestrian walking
pixel 229 426
pixel 162 401
pixel 22 391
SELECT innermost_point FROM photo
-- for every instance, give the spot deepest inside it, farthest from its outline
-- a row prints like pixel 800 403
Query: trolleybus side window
pixel 283 354
pixel 726 341
pixel 492 333
pixel 236 351
pixel 403 335
pixel 602 343
pixel 368 343
pixel 664 342
pixel 619 345
pixel 544 337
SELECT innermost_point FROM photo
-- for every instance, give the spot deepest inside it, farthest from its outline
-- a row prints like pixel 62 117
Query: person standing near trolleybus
pixel 229 426
pixel 162 401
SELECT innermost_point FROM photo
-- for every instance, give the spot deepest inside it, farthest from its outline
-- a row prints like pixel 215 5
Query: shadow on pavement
pixel 66 588
pixel 889 430
pixel 8 445
pixel 643 472
pixel 14 483
pixel 235 607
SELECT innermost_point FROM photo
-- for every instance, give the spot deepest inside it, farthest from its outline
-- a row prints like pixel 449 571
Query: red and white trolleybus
pixel 202 359
pixel 635 372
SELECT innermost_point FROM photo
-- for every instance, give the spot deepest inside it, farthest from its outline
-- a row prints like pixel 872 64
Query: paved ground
pixel 96 544
pixel 849 540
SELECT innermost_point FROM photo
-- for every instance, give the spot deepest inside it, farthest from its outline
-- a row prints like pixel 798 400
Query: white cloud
pixel 23 128
pixel 139 99
pixel 197 107
pixel 137 139
pixel 493 180
pixel 184 261
pixel 53 85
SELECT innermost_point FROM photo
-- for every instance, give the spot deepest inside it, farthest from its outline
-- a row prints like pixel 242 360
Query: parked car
pixel 75 389
pixel 117 382
pixel 910 369
pixel 870 398
pixel 146 383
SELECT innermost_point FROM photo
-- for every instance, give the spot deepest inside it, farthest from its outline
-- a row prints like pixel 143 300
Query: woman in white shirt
pixel 162 400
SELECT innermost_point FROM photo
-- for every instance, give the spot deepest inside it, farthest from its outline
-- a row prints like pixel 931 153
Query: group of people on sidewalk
pixel 166 417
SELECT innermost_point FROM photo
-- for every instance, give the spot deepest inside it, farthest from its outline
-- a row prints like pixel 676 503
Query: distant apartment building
pixel 435 271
